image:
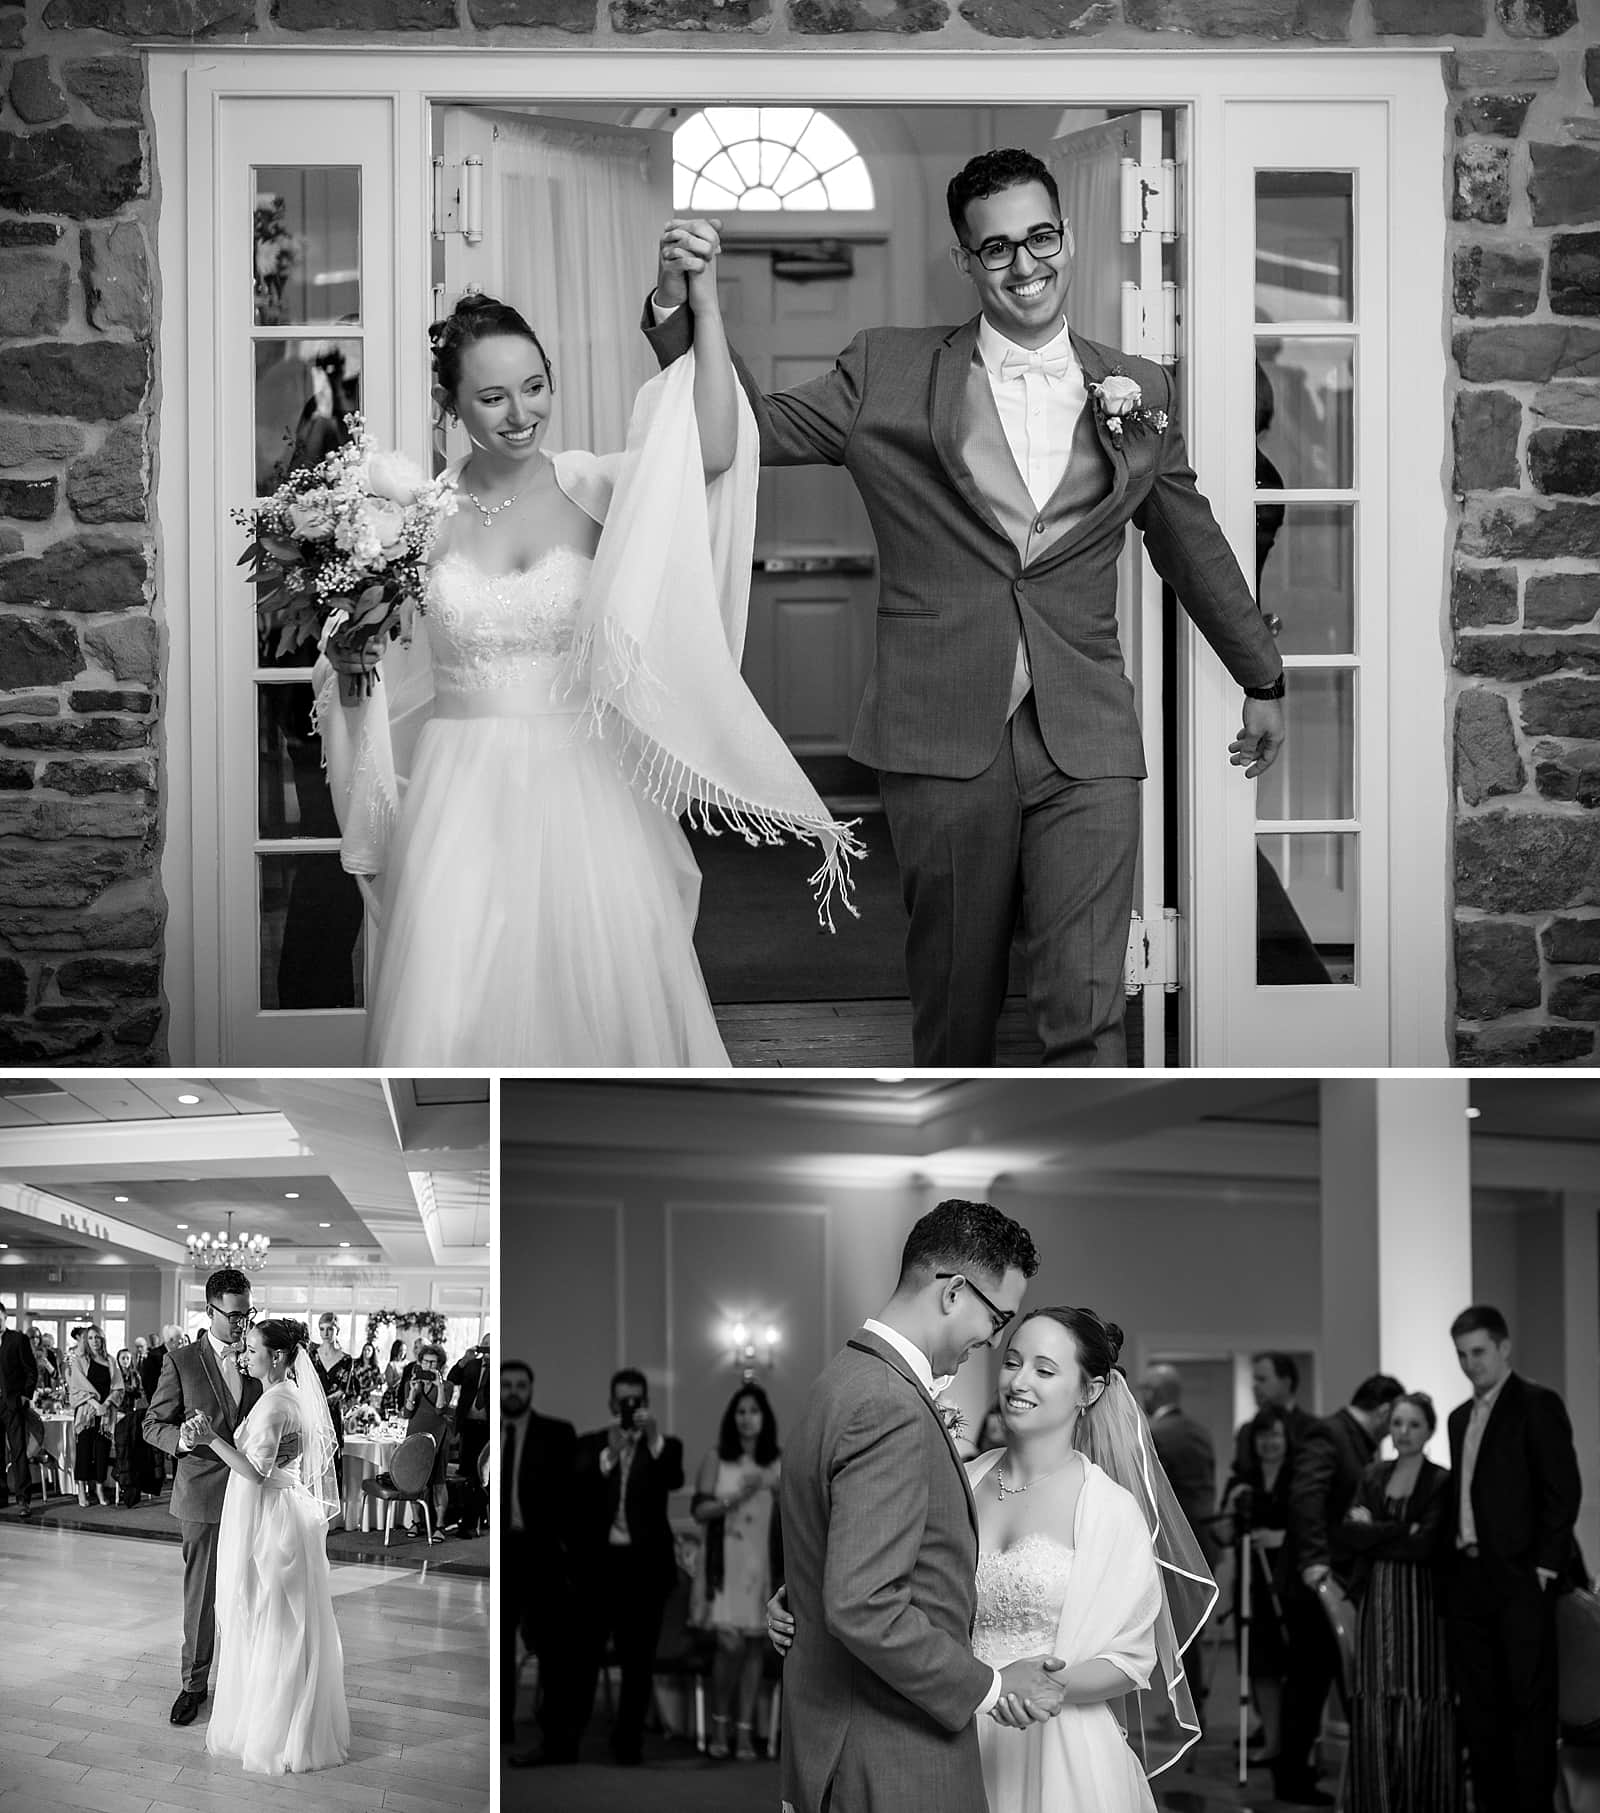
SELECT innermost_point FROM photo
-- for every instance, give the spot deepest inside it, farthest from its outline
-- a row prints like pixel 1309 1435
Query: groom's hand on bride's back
pixel 1030 1691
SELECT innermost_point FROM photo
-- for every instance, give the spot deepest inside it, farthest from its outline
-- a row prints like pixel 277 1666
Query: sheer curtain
pixel 579 214
pixel 1087 167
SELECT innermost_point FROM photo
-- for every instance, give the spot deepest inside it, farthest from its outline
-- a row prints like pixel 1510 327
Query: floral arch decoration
pixel 767 159
pixel 430 1321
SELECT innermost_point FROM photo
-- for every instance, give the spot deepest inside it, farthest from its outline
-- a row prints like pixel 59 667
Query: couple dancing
pixel 1010 1636
pixel 243 1413
pixel 536 904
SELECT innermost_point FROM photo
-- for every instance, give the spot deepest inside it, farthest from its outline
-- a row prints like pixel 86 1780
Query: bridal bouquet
pixel 340 549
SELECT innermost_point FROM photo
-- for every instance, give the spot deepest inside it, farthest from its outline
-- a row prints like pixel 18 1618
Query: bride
pixel 511 791
pixel 280 1702
pixel 1083 1555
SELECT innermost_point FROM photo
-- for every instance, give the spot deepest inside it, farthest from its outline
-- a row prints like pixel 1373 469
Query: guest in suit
pixel 537 1480
pixel 1513 1507
pixel 1328 1465
pixel 90 1375
pixel 1000 483
pixel 1274 1384
pixel 623 1551
pixel 469 1378
pixel 1403 1745
pixel 19 1379
pixel 1189 1458
pixel 202 1377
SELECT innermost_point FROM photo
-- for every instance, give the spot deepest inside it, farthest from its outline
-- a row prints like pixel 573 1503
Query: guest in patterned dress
pixel 1404 1755
pixel 735 1499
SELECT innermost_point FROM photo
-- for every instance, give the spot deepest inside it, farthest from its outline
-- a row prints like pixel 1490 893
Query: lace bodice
pixel 491 630
pixel 1020 1594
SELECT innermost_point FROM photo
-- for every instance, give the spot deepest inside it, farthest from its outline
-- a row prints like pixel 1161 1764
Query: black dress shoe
pixel 186 1706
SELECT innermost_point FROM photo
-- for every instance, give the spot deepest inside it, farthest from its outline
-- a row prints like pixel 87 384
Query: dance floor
pixel 90 1629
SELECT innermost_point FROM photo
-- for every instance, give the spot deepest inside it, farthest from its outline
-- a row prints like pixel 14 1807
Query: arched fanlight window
pixel 771 158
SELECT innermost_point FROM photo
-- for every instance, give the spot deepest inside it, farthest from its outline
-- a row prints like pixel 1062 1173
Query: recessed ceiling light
pixel 5 1246
pixel 291 1196
pixel 188 1100
pixel 119 1199
pixel 1473 1113
pixel 181 1226
pixel 324 1224
pixel 344 1243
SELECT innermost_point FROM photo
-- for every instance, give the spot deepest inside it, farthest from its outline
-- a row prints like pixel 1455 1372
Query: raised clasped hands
pixel 687 267
pixel 1030 1692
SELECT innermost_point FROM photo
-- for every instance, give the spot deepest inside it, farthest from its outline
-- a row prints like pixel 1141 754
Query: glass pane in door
pixel 305 387
pixel 1306 575
pixel 1308 436
pixel 1306 908
pixel 306 243
pixel 312 936
pixel 292 795
pixel 1305 245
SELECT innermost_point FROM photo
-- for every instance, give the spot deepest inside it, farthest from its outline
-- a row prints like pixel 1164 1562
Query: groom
pixel 880 1539
pixel 1000 478
pixel 205 1376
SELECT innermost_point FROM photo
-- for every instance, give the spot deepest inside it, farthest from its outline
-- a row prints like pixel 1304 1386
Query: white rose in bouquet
pixel 310 517
pixel 395 477
pixel 387 522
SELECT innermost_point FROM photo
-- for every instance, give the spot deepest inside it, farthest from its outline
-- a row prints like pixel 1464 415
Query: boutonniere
pixel 1118 401
pixel 951 1416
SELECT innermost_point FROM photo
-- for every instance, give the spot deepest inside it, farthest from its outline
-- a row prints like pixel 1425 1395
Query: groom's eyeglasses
pixel 1000 254
pixel 1000 1317
pixel 235 1318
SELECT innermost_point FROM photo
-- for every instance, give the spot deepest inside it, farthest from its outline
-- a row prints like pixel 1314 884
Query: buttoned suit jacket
pixel 905 412
pixel 19 1369
pixel 880 1539
pixel 597 1495
pixel 191 1380
pixel 1526 1487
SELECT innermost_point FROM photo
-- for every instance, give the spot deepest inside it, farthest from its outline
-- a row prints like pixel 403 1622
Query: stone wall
pixel 80 672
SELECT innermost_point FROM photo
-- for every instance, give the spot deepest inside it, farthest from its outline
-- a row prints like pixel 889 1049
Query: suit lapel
pixel 1095 370
pixel 219 1389
pixel 867 1342
pixel 952 366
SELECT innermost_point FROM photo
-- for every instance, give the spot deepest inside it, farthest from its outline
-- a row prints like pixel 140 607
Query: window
pixel 766 158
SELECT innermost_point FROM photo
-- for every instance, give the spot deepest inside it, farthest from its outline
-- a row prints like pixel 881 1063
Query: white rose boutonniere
pixel 1119 401
pixel 950 1414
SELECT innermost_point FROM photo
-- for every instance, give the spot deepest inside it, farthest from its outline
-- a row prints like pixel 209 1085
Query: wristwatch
pixel 1274 691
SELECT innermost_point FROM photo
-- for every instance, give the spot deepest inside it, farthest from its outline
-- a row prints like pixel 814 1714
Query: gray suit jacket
pixel 954 585
pixel 192 1380
pixel 881 1553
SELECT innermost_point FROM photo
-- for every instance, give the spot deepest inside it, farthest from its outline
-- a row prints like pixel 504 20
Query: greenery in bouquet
pixel 340 549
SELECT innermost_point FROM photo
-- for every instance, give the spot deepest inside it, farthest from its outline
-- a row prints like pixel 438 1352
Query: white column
pixel 1581 1386
pixel 1396 1235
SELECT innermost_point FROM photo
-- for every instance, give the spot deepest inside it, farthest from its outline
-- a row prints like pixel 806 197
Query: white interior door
pixel 304 260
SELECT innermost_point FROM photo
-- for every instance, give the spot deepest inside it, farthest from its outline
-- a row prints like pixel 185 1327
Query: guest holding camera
pixel 735 1500
pixel 426 1380
pixel 1403 1747
pixel 623 1549
pixel 468 1381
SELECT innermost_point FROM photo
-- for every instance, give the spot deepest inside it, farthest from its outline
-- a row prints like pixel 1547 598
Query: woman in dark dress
pixel 127 1440
pixel 1257 1499
pixel 368 1375
pixel 334 1368
pixel 1404 1756
pixel 89 1392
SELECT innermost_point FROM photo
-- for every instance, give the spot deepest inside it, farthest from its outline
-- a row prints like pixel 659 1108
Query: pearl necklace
pixel 1017 1491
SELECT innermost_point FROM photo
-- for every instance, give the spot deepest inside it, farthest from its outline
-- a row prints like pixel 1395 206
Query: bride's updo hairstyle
pixel 477 317
pixel 282 1335
pixel 1099 1344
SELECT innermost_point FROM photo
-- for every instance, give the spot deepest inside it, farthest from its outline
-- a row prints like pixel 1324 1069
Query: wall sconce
pixel 750 1345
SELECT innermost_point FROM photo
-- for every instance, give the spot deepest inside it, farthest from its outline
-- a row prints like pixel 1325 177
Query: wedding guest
pixel 334 1367
pixel 128 1403
pixel 19 1379
pixel 89 1399
pixel 172 1339
pixel 393 1374
pixel 1189 1458
pixel 426 1378
pixel 1329 1460
pixel 1515 1492
pixel 1403 1745
pixel 469 1378
pixel 1257 1504
pixel 625 1559
pixel 368 1374
pixel 409 1371
pixel 735 1499
pixel 537 1455
pixel 1275 1384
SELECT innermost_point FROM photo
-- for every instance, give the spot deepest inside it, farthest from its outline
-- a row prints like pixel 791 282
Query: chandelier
pixel 245 1252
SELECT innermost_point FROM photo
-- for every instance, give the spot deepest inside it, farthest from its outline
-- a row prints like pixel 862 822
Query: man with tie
pixel 1515 1492
pixel 623 1551
pixel 203 1377
pixel 536 1486
pixel 19 1379
pixel 1000 463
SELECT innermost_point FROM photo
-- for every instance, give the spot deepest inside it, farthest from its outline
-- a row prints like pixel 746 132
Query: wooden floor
pixel 90 1630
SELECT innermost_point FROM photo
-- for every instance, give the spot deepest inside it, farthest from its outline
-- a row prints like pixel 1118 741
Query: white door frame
pixel 188 88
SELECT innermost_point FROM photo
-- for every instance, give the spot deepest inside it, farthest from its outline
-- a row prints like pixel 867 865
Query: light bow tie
pixel 1018 362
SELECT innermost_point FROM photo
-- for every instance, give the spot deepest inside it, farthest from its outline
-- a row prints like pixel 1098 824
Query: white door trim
pixel 188 86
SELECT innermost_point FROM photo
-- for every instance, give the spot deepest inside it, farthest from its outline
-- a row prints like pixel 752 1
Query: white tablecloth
pixel 364 1455
pixel 62 1444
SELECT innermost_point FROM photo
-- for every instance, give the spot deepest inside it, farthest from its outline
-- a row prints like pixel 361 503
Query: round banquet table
pixel 61 1444
pixel 364 1456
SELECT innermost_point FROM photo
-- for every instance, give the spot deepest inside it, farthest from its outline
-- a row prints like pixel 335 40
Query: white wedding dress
pixel 279 1704
pixel 540 910
pixel 1095 1597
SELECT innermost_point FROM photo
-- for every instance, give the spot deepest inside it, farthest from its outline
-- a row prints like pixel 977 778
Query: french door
pixel 299 271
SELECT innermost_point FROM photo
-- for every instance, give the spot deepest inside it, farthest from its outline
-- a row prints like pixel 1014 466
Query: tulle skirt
pixel 1078 1759
pixel 279 1704
pixel 539 910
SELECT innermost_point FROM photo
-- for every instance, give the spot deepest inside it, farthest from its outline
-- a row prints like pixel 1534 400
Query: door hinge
pixel 1149 199
pixel 458 199
pixel 1152 333
pixel 1155 953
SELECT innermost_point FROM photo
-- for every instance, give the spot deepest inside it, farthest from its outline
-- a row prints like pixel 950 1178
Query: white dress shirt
pixel 228 1365
pixel 1038 412
pixel 1477 1419
pixel 917 1360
